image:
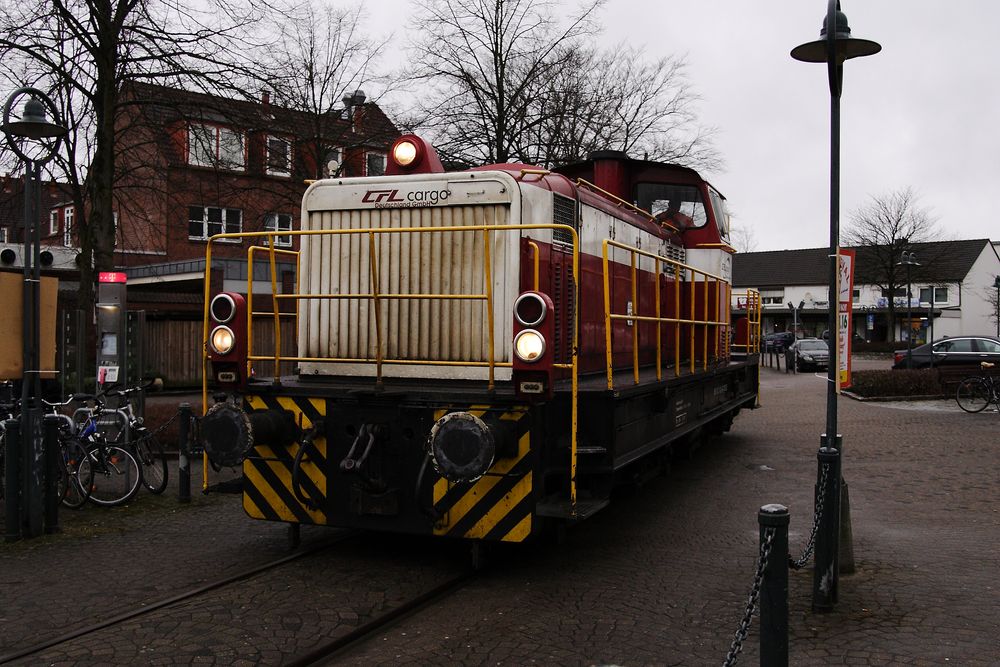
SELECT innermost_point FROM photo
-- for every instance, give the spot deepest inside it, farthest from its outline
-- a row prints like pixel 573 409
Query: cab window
pixel 721 213
pixel 680 205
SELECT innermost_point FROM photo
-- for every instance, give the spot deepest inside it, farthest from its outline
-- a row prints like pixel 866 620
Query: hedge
pixel 925 382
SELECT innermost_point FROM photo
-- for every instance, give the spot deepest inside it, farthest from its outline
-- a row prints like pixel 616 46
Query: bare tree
pixel 882 230
pixel 615 99
pixel 86 53
pixel 510 82
pixel 743 238
pixel 323 63
pixel 483 63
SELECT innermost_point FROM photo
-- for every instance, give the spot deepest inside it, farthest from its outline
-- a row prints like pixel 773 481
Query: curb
pixel 887 399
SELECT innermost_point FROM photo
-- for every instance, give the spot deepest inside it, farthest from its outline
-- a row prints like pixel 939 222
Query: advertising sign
pixel 845 292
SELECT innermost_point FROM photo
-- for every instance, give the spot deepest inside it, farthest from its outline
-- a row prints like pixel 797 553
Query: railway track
pixel 342 645
pixel 118 619
pixel 334 646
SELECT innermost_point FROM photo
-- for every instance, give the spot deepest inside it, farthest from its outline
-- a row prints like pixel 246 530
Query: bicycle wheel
pixel 149 453
pixel 74 489
pixel 116 475
pixel 973 394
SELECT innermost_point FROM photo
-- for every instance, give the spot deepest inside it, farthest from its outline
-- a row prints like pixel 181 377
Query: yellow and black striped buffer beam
pixel 268 491
pixel 497 506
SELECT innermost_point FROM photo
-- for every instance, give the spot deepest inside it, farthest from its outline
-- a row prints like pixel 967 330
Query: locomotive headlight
pixel 404 153
pixel 222 308
pixel 530 309
pixel 222 340
pixel 529 345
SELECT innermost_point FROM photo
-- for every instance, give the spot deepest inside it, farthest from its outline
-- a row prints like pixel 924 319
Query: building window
pixel 940 294
pixel 206 221
pixel 375 163
pixel 278 222
pixel 900 291
pixel 3 235
pixel 53 222
pixel 212 146
pixel 856 294
pixel 332 162
pixel 771 297
pixel 68 219
pixel 279 156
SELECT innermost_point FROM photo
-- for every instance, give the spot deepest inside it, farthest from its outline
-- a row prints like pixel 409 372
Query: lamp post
pixel 834 46
pixel 996 283
pixel 909 260
pixel 35 140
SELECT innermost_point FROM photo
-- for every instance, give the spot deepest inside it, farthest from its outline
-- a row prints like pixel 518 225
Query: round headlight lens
pixel 222 309
pixel 529 309
pixel 404 153
pixel 222 340
pixel 529 345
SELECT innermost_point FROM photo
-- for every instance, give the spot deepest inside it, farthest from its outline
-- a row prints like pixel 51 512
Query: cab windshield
pixel 680 205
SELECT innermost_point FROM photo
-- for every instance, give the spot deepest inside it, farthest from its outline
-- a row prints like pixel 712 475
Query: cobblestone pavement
pixel 659 577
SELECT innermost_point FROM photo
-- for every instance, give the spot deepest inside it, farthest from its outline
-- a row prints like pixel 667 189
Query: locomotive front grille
pixel 407 263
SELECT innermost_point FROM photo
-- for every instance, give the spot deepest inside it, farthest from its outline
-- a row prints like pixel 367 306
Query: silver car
pixel 811 353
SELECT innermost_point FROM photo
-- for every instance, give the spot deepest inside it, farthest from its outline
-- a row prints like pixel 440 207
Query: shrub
pixel 923 382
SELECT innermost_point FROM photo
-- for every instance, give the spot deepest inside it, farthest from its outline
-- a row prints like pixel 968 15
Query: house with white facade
pixel 951 289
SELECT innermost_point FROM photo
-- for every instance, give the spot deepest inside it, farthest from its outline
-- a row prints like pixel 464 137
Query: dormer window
pixel 53 222
pixel 279 156
pixel 215 146
pixel 375 163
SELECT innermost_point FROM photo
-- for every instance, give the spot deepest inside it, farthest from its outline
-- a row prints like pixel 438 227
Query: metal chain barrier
pixel 817 517
pixel 744 628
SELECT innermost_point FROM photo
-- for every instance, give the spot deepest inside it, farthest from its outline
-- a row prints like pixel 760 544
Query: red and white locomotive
pixel 481 353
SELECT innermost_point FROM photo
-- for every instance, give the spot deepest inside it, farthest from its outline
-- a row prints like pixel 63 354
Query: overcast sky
pixel 923 113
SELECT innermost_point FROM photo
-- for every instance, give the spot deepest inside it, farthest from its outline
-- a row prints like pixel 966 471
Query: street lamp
pixel 35 140
pixel 834 46
pixel 996 283
pixel 909 260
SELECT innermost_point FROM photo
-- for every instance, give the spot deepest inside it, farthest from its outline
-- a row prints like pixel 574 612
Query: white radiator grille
pixel 408 263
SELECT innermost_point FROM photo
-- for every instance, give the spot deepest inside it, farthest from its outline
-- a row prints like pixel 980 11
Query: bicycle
pixel 976 392
pixel 73 486
pixel 115 472
pixel 141 442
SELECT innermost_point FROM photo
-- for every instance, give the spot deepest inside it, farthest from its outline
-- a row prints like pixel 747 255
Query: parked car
pixel 811 353
pixel 955 351
pixel 778 339
pixel 855 338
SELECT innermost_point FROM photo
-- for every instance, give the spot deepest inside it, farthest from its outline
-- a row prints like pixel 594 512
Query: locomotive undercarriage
pixel 361 456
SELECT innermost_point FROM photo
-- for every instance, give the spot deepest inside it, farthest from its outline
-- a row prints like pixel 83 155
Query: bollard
pixel 33 473
pixel 825 571
pixel 53 461
pixel 12 480
pixel 184 455
pixel 774 587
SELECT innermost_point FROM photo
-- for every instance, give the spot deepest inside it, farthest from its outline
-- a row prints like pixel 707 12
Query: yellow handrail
pixel 720 326
pixel 376 296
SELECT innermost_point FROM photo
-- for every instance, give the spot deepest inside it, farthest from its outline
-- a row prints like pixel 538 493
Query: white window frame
pixel 53 222
pixel 369 156
pixel 3 234
pixel 275 222
pixel 69 217
pixel 270 168
pixel 218 146
pixel 205 222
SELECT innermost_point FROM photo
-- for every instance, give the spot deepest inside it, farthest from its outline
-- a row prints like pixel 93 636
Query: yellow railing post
pixel 635 323
pixel 274 307
pixel 659 323
pixel 487 268
pixel 373 265
pixel 607 314
pixel 534 254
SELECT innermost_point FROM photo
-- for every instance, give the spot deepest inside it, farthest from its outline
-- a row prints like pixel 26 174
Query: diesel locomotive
pixel 478 354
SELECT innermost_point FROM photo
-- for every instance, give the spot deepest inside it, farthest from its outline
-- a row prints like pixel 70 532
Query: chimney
pixel 265 98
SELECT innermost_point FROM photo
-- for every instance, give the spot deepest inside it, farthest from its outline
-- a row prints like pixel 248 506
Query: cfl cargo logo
pixel 395 199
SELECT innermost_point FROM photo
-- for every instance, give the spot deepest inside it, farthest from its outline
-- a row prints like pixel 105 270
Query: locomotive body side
pixel 459 340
